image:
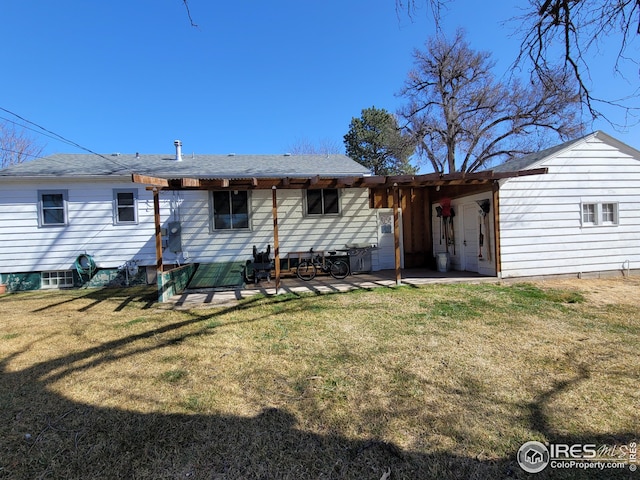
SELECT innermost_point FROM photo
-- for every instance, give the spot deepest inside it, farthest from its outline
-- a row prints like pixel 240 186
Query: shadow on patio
pixel 323 284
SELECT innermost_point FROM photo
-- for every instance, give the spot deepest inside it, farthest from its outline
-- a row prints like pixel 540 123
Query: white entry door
pixel 386 244
pixel 470 240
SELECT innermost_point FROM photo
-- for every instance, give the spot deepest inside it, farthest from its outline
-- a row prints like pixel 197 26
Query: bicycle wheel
pixel 339 269
pixel 306 270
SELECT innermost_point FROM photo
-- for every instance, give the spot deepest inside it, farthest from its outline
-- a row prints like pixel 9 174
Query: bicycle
pixel 308 268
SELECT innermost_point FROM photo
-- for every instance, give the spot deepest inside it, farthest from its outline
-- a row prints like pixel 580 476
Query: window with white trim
pixel 324 201
pixel 57 279
pixel 125 207
pixel 52 208
pixel 589 214
pixel 599 214
pixel 609 214
pixel 230 210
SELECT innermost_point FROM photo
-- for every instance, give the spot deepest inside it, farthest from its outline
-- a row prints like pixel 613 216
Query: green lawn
pixel 442 381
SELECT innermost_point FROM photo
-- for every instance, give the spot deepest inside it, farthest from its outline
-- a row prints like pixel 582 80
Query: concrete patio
pixel 322 285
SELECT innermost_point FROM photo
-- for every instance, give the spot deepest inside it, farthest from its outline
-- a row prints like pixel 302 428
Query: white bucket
pixel 442 260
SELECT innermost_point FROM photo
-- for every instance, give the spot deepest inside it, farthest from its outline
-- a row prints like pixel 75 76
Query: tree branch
pixel 186 6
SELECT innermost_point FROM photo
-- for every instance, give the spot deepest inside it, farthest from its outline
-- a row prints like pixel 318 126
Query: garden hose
pixel 85 265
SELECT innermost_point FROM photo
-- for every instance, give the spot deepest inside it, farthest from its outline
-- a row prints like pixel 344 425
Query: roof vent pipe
pixel 178 145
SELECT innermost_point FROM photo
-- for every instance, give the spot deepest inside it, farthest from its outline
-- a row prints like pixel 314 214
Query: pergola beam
pixel 316 181
pixel 190 183
pixel 148 180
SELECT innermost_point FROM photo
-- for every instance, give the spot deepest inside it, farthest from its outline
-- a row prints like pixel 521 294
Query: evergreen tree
pixel 376 141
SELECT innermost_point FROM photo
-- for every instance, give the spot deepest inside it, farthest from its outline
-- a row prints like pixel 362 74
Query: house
pixel 73 219
pixel 580 217
pixel 533 456
pixel 88 219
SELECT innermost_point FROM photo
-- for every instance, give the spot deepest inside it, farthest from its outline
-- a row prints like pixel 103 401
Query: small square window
pixel 323 202
pixel 230 210
pixel 599 214
pixel 52 208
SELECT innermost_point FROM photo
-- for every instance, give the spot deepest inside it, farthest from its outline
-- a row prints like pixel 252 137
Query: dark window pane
pixel 221 210
pixel 239 203
pixel 330 201
pixel 53 216
pixel 52 200
pixel 126 214
pixel 240 210
pixel 221 203
pixel 314 202
pixel 125 198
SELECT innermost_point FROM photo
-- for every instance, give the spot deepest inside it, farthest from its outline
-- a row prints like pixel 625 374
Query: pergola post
pixel 276 242
pixel 396 232
pixel 156 218
pixel 162 293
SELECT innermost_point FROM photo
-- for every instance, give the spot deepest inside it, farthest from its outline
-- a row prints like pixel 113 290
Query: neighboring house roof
pixel 194 166
pixel 533 159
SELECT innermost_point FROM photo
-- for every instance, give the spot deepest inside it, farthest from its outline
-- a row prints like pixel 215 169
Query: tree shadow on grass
pixel 146 296
pixel 45 435
pixel 71 440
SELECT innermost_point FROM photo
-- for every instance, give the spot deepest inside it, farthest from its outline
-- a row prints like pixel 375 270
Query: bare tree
pixel 577 27
pixel 16 146
pixel 463 119
pixel 559 35
pixel 411 7
pixel 304 146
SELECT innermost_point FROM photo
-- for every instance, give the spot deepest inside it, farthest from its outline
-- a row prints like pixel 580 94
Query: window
pixel 609 214
pixel 52 206
pixel 57 279
pixel 125 206
pixel 588 213
pixel 599 214
pixel 230 210
pixel 322 202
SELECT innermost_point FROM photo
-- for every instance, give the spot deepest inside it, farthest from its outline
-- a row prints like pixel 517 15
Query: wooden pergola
pixel 458 181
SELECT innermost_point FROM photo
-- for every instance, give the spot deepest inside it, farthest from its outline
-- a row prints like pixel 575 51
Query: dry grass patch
pixel 445 381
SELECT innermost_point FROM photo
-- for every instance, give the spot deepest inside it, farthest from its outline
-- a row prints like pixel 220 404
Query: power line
pixel 26 127
pixel 20 153
pixel 63 139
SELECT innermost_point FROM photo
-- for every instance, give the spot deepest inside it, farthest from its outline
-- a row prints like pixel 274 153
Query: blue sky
pixel 254 77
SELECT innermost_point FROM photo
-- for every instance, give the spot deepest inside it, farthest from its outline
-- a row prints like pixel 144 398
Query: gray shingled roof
pixel 526 161
pixel 196 166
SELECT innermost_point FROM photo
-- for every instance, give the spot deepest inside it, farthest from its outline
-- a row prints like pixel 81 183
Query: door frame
pixel 466 243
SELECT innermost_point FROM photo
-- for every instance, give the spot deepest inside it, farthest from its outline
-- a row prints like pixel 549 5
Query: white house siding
pixel 540 216
pixel 485 265
pixel 356 223
pixel 26 247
